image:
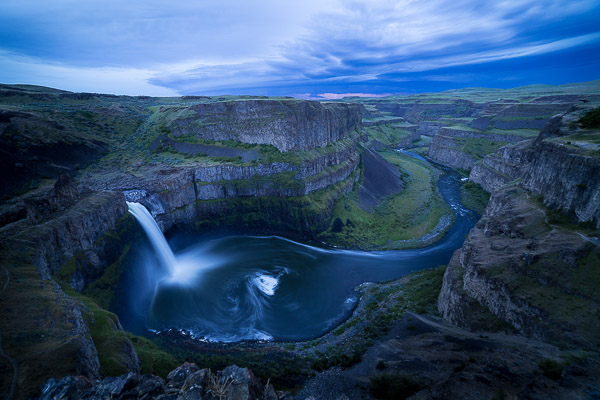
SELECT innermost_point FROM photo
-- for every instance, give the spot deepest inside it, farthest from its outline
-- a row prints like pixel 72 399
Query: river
pixel 237 288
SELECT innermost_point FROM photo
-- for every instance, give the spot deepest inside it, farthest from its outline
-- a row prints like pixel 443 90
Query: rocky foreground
pixel 187 382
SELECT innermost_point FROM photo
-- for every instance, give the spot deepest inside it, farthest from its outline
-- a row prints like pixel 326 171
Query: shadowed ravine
pixel 266 287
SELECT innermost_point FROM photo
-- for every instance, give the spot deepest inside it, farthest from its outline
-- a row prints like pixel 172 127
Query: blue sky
pixel 308 48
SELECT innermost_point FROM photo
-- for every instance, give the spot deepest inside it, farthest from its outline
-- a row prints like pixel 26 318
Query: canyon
pixel 328 173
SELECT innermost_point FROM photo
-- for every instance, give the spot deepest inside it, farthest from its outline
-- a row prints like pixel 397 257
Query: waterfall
pixel 162 248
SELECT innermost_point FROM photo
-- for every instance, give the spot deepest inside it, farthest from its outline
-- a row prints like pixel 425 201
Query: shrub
pixel 590 119
pixel 395 386
pixel 551 369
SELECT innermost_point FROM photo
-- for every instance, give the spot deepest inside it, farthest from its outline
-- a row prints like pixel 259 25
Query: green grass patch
pixel 383 305
pixel 389 135
pixel 152 358
pixel 283 369
pixel 103 328
pixel 479 147
pixel 422 290
pixel 474 197
pixel 409 214
pixel 102 289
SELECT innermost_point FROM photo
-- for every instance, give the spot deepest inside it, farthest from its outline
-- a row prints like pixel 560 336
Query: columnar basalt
pixel 285 124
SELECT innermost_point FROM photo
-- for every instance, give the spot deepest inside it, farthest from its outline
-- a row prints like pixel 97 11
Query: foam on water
pixel 265 283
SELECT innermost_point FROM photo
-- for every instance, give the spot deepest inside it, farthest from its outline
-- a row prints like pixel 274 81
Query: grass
pixel 422 290
pixel 108 339
pixel 474 197
pixel 102 289
pixel 523 132
pixel 412 213
pixel 284 369
pixel 152 358
pixel 381 307
pixel 479 147
pixel 389 135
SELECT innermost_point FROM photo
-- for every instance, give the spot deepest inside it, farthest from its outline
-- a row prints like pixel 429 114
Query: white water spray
pixel 162 248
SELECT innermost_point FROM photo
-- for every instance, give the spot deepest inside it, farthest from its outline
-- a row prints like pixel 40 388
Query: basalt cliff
pixel 526 275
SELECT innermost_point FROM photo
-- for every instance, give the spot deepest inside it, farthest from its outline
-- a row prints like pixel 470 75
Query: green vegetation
pixel 296 214
pixel 108 339
pixel 282 368
pixel 102 289
pixel 390 134
pixel 422 290
pixel 478 147
pixel 411 213
pixel 474 197
pixel 590 119
pixel 553 368
pixel 152 358
pixel 384 305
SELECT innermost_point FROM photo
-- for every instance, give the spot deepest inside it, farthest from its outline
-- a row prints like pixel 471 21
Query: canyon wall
pixel 465 130
pixel 64 237
pixel 527 264
pixel 285 124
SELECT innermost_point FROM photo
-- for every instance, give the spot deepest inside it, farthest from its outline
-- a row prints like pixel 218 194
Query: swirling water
pixel 267 287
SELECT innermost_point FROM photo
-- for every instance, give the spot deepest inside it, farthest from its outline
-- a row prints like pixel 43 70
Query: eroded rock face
pixel 184 195
pixel 187 382
pixel 65 225
pixel 564 176
pixel 521 263
pixel 505 165
pixel 526 272
pixel 445 150
pixel 567 180
pixel 285 124
pixel 61 238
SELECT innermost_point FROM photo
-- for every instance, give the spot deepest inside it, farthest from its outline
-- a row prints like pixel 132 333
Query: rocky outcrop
pixel 77 230
pixel 505 165
pixel 187 382
pixel 458 124
pixel 526 272
pixel 430 128
pixel 564 175
pixel 445 150
pixel 285 124
pixel 68 235
pixel 431 110
pixel 384 121
pixel 567 180
pixel 187 194
pixel 522 263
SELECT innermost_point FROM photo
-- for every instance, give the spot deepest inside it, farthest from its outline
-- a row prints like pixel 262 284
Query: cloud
pixel 131 81
pixel 379 41
pixel 274 47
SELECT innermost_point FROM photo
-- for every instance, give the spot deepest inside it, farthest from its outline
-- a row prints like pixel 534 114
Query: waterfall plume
pixel 159 243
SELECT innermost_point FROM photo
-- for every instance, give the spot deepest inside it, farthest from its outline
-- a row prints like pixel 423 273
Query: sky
pixel 308 48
